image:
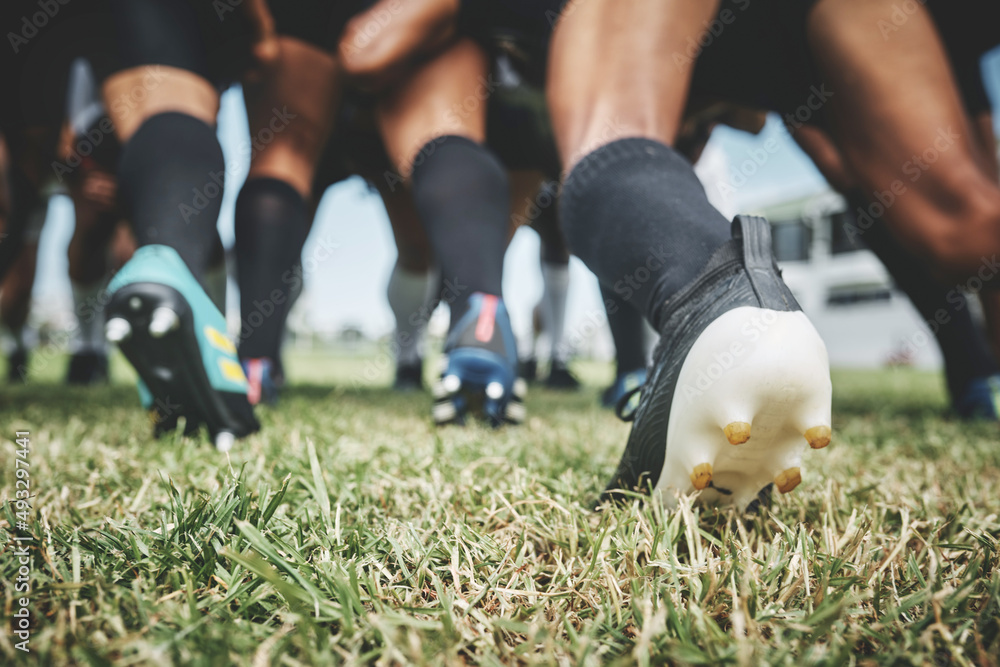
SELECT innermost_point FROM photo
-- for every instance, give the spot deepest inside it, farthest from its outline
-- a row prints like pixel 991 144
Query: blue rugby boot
pixel 739 385
pixel 174 336
pixel 481 367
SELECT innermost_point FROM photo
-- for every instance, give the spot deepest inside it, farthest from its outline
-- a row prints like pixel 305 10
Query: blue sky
pixel 349 288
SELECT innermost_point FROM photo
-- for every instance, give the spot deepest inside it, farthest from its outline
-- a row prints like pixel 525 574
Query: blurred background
pixel 844 289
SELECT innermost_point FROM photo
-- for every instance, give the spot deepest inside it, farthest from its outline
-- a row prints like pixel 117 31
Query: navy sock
pixel 636 214
pixel 271 226
pixel 171 179
pixel 461 193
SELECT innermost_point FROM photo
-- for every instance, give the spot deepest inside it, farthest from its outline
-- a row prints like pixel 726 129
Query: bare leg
pixel 966 353
pixel 635 213
pixel 15 293
pixel 411 239
pixel 171 180
pixel 5 209
pixel 430 104
pixel 164 89
pixel 990 298
pixel 291 110
pixel 96 213
pixel 433 127
pixel 94 195
pixel 419 27
pixel 899 123
pixel 616 94
pixel 524 189
pixel 609 73
pixel 436 123
pixel 414 288
pixel 15 305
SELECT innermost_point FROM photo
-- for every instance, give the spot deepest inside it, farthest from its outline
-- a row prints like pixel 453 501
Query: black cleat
pixel 87 368
pixel 174 336
pixel 17 366
pixel 739 377
pixel 528 369
pixel 560 378
pixel 409 377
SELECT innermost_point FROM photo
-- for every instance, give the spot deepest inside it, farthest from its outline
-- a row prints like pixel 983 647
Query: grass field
pixel 351 530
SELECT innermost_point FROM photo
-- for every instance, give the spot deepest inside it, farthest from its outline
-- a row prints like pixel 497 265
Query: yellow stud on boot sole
pixel 788 479
pixel 701 476
pixel 818 437
pixel 737 433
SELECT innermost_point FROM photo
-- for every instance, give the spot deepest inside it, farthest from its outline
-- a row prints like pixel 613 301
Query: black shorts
pixel 519 29
pixel 755 54
pixel 214 39
pixel 968 28
pixel 316 22
pixel 354 148
pixel 42 37
pixel 210 39
pixel 760 57
pixel 519 131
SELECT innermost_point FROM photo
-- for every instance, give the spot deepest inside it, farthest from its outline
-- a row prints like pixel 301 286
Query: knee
pixel 971 235
pixel 369 56
pixel 373 52
pixel 135 95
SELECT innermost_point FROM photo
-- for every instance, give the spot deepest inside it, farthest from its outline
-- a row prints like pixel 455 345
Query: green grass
pixel 350 530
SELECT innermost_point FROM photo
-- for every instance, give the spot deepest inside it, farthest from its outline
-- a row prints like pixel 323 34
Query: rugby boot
pixel 480 368
pixel 171 332
pixel 739 386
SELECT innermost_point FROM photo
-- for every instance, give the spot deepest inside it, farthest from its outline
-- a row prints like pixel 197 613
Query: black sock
pixel 966 352
pixel 553 243
pixel 461 193
pixel 636 214
pixel 171 178
pixel 628 330
pixel 24 201
pixel 271 226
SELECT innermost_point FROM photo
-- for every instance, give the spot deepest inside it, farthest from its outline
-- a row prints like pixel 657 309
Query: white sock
pixel 409 294
pixel 88 306
pixel 555 280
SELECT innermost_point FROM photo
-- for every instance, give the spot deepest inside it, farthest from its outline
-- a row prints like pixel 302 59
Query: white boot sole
pixel 753 393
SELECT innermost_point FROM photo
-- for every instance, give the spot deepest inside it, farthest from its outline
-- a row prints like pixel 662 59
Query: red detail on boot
pixel 487 319
pixel 255 380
